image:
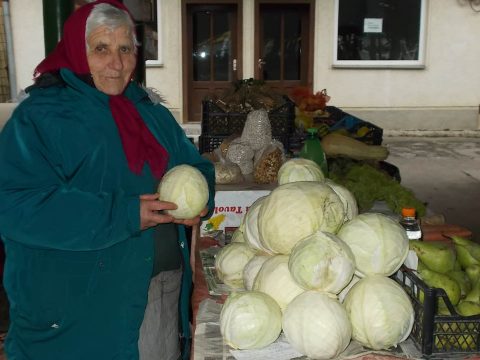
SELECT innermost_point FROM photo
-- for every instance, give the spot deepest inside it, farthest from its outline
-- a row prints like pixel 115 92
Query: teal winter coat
pixel 77 265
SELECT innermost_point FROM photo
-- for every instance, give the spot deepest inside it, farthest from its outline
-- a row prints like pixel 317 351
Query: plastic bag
pixel 267 162
pixel 241 153
pixel 257 131
pixel 227 173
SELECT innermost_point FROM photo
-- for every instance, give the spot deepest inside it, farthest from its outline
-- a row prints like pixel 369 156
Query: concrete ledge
pixel 433 118
pixel 432 133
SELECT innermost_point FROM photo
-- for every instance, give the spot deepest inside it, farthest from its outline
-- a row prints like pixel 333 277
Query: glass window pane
pixel 201 46
pixel 221 47
pixel 379 29
pixel 271 51
pixel 292 46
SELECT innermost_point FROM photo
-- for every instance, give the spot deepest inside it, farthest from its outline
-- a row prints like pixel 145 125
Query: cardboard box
pixel 231 205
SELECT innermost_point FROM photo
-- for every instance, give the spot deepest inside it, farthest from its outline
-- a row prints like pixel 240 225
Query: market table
pixel 201 293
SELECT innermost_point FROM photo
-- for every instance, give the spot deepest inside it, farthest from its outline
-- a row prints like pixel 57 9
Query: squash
pixel 335 145
pixel 443 232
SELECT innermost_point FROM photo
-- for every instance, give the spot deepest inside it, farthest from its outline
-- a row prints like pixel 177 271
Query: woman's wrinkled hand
pixel 151 211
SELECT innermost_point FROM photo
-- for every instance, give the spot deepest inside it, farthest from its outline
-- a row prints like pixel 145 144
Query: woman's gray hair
pixel 112 17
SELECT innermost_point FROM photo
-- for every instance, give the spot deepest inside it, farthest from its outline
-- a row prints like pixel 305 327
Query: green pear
pixel 421 266
pixel 468 308
pixel 463 280
pixel 438 257
pixel 457 266
pixel 474 294
pixel 473 273
pixel 465 257
pixel 468 251
pixel 438 280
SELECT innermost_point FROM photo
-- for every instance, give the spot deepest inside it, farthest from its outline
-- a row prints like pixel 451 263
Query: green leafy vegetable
pixel 369 184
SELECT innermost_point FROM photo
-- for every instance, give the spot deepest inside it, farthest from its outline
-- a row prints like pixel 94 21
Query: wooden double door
pixel 282 47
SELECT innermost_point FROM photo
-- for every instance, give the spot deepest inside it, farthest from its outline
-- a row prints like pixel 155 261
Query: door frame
pixel 186 71
pixel 311 42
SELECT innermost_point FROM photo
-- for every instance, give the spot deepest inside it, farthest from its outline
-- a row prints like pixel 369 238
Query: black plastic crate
pixel 359 129
pixel 207 143
pixel 216 122
pixel 438 334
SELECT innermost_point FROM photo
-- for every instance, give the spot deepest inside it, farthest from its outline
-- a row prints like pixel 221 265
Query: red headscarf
pixel 139 144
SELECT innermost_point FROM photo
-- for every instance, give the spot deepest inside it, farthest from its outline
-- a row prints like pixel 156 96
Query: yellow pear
pixel 438 257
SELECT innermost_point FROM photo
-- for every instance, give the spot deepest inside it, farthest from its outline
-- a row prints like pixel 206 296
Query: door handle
pixel 234 64
pixel 260 63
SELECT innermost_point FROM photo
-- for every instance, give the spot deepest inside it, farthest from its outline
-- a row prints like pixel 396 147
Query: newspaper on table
pixel 215 286
pixel 209 345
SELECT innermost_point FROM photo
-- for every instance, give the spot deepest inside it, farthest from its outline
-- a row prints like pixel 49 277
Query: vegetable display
pixel 323 265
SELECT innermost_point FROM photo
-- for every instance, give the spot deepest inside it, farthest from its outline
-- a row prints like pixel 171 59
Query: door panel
pixel 211 51
pixel 283 45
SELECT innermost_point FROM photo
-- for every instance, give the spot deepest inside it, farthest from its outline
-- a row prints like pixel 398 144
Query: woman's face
pixel 111 58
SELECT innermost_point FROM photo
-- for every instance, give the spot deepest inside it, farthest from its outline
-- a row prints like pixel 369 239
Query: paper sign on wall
pixel 372 25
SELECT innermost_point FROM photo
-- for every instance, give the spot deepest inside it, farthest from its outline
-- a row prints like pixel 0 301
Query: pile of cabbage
pixel 305 263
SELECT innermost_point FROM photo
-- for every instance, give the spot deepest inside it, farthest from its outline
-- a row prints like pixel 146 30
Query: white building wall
pixel 443 95
pixel 28 43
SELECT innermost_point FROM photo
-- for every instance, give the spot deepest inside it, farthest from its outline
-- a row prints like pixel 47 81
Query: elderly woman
pixel 84 232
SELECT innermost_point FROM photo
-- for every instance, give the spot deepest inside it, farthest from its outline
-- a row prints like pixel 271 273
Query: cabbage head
pixel 230 261
pixel 185 186
pixel 299 169
pixel 275 279
pixel 317 325
pixel 322 262
pixel 379 243
pixel 348 200
pixel 346 289
pixel 295 210
pixel 250 320
pixel 251 270
pixel 251 235
pixel 380 312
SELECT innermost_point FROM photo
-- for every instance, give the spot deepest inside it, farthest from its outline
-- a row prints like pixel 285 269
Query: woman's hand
pixel 191 222
pixel 150 211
